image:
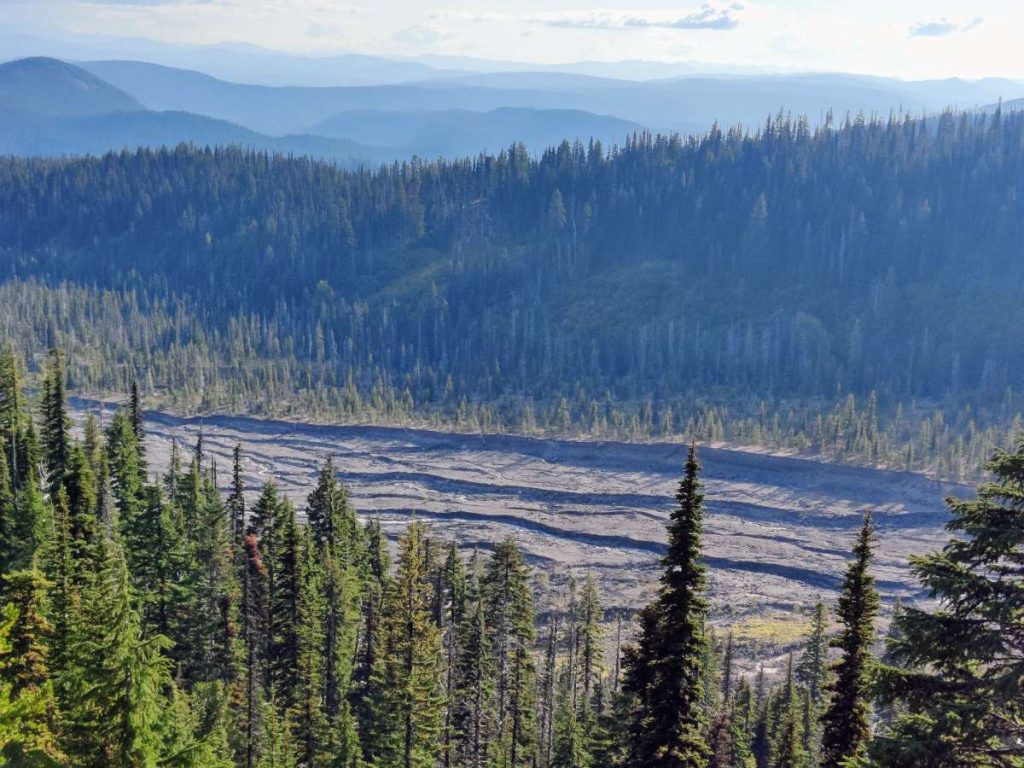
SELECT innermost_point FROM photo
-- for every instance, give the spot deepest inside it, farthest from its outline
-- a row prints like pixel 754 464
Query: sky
pixel 912 39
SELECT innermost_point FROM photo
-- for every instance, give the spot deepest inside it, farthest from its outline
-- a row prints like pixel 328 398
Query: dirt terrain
pixel 778 529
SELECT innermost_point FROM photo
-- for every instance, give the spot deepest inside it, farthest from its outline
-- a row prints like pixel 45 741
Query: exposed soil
pixel 778 529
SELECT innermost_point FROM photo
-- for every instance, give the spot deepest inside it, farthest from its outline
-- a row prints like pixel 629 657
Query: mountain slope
pixel 51 87
pixel 454 133
pixel 687 104
pixel 281 110
pixel 28 134
pixel 876 257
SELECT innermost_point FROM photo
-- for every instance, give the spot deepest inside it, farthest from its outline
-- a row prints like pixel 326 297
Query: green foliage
pixel 407 695
pixel 509 619
pixel 847 724
pixel 799 289
pixel 666 671
pixel 958 685
pixel 147 630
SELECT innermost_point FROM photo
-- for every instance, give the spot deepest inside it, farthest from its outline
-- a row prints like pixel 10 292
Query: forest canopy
pixel 783 265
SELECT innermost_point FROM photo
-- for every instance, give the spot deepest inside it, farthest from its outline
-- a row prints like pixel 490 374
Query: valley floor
pixel 778 532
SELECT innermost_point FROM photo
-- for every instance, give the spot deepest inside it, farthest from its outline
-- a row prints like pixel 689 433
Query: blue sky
pixel 903 38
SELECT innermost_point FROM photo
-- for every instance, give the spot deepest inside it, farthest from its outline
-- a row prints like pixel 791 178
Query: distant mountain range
pixel 51 107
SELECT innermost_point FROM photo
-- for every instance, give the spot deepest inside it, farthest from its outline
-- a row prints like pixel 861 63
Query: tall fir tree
pixel 55 421
pixel 309 721
pixel 236 499
pixel 249 730
pixel 847 719
pixel 670 724
pixel 127 478
pixel 510 623
pixel 472 716
pixel 959 689
pixel 788 744
pixel 812 673
pixel 451 599
pixel 407 684
pixel 123 675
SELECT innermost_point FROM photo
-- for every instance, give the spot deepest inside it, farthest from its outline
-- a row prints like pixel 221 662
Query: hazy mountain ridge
pixel 51 87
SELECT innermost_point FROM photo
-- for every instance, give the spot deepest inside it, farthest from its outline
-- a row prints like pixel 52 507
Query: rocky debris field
pixel 778 529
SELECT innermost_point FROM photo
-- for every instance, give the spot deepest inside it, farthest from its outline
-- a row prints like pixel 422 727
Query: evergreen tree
pixel 812 675
pixel 309 723
pixel 127 478
pixel 509 620
pixel 407 684
pixel 236 500
pixel 25 739
pixel 254 638
pixel 56 424
pixel 375 574
pixel 215 594
pixel 847 725
pixel 547 687
pixel 135 414
pixel 788 744
pixel 277 750
pixel 960 692
pixel 284 581
pixel 670 724
pixel 80 484
pixel 28 710
pixel 472 716
pixel 123 675
pixel 451 598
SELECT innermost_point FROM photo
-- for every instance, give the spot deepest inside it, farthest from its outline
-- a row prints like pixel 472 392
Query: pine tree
pixel 472 717
pixel 341 594
pixel 846 723
pixel 124 674
pixel 254 639
pixel 509 620
pixel 309 723
pixel 547 687
pixel 135 414
pixel 788 744
pixel 376 579
pixel 727 672
pixel 277 750
pixel 407 692
pixel 12 555
pixel 591 645
pixel 158 575
pixel 193 729
pixel 743 715
pixel 960 695
pixel 22 742
pixel 28 710
pixel 56 424
pixel 328 510
pixel 451 598
pixel 338 542
pixel 215 593
pixel 812 674
pixel 236 500
pixel 127 478
pixel 284 581
pixel 670 723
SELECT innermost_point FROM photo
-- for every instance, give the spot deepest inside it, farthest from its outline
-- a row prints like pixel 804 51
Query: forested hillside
pixel 731 279
pixel 157 621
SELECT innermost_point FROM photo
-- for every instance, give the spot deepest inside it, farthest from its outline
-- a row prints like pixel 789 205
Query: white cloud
pixel 707 16
pixel 943 27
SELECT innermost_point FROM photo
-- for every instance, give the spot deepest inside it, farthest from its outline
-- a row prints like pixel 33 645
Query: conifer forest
pixel 159 620
pixel 576 410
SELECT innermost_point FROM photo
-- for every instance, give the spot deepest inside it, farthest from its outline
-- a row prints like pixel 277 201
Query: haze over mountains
pixel 365 110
